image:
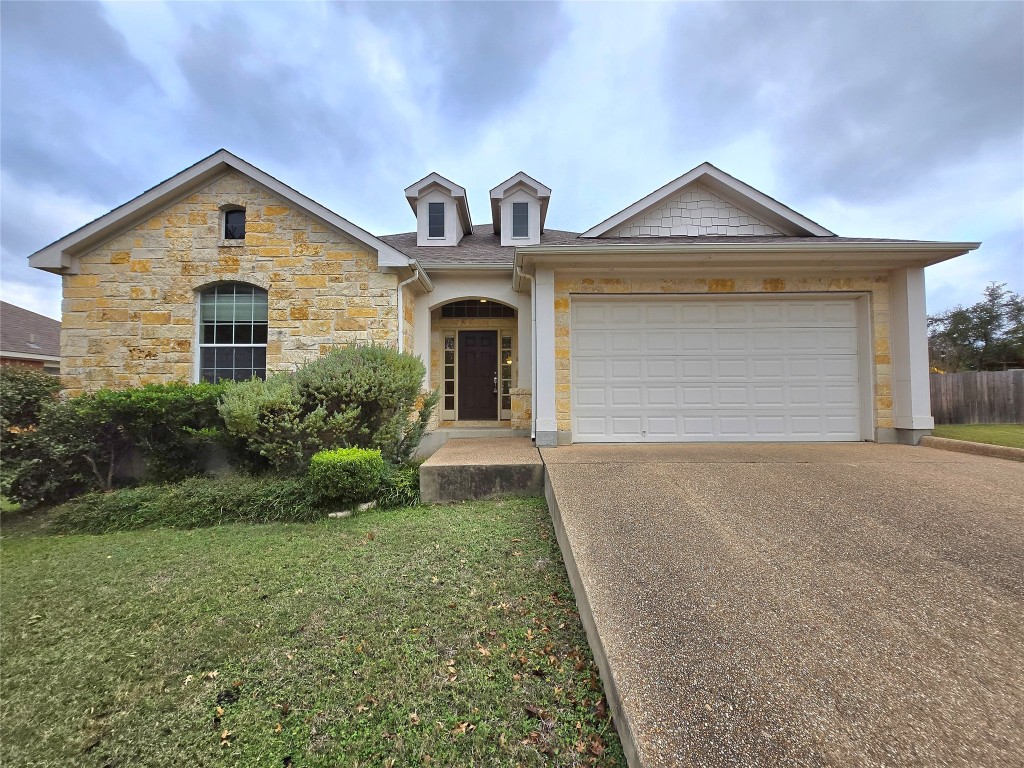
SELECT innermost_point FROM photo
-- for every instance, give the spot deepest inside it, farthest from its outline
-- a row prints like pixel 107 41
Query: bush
pixel 346 475
pixel 193 503
pixel 80 442
pixel 399 487
pixel 357 397
pixel 23 393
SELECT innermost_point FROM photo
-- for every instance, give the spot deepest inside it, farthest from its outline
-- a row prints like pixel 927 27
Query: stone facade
pixel 876 285
pixel 130 313
pixel 695 211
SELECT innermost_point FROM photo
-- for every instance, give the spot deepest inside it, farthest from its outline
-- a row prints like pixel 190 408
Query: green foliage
pixel 986 336
pixel 193 503
pixel 81 442
pixel 382 386
pixel 357 397
pixel 346 475
pixel 23 393
pixel 399 486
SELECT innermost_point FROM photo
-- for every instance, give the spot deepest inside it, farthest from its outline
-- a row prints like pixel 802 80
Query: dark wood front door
pixel 478 367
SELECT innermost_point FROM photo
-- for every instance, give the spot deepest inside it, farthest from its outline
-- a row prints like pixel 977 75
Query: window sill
pixel 230 243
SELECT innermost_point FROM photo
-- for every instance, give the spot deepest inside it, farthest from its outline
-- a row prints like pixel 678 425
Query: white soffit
pixel 59 255
pixel 729 188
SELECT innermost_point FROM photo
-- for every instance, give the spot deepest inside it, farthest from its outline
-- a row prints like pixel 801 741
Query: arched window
pixel 234 224
pixel 232 332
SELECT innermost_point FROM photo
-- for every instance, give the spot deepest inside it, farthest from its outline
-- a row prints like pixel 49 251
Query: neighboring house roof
pixel 731 189
pixel 59 256
pixel 28 335
pixel 482 248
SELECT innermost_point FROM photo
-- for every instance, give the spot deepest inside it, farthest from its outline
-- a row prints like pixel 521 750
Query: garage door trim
pixel 863 363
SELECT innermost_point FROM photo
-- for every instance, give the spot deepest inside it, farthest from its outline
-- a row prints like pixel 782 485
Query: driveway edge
pixel 619 719
pixel 975 449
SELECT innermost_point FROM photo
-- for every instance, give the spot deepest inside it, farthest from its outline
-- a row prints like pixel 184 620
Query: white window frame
pixel 512 222
pixel 197 357
pixel 444 222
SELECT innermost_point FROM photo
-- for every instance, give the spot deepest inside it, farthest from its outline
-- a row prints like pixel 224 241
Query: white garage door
pixel 670 370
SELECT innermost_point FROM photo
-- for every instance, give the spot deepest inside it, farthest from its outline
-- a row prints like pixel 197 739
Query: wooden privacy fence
pixel 978 397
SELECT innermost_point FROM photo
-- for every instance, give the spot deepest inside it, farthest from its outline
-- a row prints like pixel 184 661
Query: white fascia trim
pixel 27 356
pixel 416 190
pixel 725 255
pixel 59 255
pixel 740 191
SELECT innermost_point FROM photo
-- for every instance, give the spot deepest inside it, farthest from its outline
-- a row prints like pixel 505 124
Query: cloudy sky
pixel 874 119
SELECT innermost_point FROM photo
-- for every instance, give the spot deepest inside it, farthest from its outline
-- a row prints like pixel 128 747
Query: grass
pixel 1011 435
pixel 420 636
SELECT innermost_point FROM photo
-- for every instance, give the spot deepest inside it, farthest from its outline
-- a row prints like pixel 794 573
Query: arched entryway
pixel 474 358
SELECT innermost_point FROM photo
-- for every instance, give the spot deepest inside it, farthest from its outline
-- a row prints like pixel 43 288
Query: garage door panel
pixel 777 369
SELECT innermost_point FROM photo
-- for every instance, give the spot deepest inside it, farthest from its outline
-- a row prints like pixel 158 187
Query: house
pixel 705 311
pixel 29 339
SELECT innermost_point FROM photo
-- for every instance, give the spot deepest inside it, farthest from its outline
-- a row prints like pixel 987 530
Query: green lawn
pixel 426 636
pixel 1011 435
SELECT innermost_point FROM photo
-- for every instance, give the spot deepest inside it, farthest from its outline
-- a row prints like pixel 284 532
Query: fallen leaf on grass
pixel 220 711
pixel 226 737
pixel 210 675
pixel 596 747
pixel 483 651
pixel 278 728
pixel 534 711
pixel 414 718
pixel 186 681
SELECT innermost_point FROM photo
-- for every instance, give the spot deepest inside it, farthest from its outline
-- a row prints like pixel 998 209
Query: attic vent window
pixel 234 225
pixel 520 219
pixel 435 220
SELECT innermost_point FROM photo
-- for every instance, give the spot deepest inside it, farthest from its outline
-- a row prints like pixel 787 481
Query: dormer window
pixel 520 219
pixel 435 220
pixel 234 224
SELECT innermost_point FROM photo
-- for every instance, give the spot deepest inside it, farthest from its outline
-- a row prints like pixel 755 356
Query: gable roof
pixel 28 334
pixel 60 255
pixel 730 189
pixel 519 181
pixel 415 191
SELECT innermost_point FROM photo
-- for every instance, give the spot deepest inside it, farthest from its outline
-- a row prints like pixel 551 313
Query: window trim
pixel 223 224
pixel 444 223
pixel 512 222
pixel 197 359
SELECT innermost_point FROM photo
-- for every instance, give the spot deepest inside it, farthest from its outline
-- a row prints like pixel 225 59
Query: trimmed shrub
pixel 399 486
pixel 356 397
pixel 193 503
pixel 346 475
pixel 80 442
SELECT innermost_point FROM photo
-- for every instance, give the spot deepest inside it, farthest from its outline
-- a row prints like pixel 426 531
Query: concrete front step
pixel 432 441
pixel 476 468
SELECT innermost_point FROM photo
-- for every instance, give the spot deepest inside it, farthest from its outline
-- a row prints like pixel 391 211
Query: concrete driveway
pixel 813 605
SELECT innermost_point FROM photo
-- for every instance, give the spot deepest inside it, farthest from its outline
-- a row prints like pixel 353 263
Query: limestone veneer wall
pixel 129 315
pixel 877 286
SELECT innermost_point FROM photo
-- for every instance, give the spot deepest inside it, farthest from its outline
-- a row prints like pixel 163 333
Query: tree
pixel 987 336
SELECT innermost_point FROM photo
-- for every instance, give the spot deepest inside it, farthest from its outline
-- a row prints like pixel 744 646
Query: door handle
pixel 495 382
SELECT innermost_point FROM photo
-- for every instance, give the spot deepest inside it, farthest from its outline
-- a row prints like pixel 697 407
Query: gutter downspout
pixel 401 308
pixel 533 350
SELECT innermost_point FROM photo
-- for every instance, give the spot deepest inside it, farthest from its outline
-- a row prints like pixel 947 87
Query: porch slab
pixel 470 468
